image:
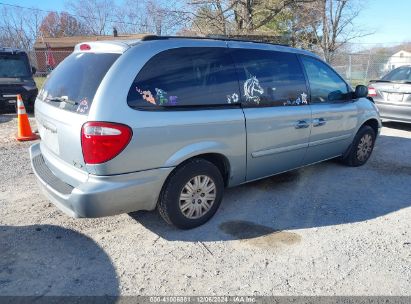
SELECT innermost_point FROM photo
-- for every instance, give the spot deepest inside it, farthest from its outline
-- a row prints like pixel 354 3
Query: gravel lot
pixel 322 230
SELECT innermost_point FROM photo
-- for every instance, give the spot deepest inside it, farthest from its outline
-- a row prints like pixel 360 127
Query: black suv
pixel 16 77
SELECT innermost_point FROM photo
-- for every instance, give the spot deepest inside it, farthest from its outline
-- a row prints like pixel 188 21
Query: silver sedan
pixel 392 94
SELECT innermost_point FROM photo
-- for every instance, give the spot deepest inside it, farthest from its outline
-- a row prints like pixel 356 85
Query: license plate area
pixel 49 138
pixel 395 97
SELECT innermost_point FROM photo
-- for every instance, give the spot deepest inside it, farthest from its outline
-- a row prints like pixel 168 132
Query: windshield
pixel 73 84
pixel 402 74
pixel 14 66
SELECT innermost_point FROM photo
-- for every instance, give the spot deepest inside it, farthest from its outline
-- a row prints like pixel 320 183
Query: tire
pixel 176 204
pixel 361 148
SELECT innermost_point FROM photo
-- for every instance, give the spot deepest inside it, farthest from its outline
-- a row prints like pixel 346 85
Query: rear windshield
pixel 400 74
pixel 73 84
pixel 14 66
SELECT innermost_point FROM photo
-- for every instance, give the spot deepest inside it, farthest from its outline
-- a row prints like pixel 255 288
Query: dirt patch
pixel 260 236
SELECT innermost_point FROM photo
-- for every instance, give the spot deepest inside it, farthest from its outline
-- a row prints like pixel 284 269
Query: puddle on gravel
pixel 260 236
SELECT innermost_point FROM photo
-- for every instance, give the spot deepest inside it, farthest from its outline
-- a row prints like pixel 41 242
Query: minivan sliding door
pixel 274 99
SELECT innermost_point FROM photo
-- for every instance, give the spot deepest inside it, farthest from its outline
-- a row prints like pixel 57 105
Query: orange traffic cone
pixel 23 124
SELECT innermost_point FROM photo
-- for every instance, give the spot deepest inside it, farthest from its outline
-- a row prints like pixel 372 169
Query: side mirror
pixel 361 91
pixel 33 70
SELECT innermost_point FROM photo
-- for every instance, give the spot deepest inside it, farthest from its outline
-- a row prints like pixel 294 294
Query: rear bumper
pixel 100 195
pixel 394 112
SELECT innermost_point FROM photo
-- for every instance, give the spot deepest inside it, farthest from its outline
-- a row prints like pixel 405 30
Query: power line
pixel 72 15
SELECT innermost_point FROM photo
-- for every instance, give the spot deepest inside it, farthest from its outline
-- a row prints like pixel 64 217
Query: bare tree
pixel 149 16
pixel 19 28
pixel 96 15
pixel 334 25
pixel 131 17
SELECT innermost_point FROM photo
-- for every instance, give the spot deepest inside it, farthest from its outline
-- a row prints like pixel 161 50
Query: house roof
pixel 67 42
pixel 403 51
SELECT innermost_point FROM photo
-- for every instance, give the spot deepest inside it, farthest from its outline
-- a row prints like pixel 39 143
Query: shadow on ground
pixel 320 195
pixel 46 260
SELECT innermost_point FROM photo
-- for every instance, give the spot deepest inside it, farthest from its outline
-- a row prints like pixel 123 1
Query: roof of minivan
pixel 123 44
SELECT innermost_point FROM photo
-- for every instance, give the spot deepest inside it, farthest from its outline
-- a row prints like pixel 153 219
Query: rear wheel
pixel 192 194
pixel 361 148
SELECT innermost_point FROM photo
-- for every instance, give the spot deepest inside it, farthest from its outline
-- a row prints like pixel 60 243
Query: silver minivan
pixel 169 122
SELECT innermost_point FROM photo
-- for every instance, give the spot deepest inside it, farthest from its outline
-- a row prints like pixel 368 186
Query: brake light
pixel 372 92
pixel 102 141
pixel 85 47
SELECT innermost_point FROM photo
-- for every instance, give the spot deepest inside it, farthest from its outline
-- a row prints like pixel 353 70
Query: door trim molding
pixel 329 140
pixel 278 150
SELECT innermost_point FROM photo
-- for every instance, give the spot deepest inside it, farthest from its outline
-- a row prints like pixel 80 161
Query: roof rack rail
pixel 214 37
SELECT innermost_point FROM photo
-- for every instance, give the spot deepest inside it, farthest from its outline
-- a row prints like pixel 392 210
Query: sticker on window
pixel 253 90
pixel 147 96
pixel 172 101
pixel 83 106
pixel 301 100
pixel 232 98
pixel 161 96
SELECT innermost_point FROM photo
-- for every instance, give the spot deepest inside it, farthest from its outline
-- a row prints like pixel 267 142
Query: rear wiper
pixel 62 99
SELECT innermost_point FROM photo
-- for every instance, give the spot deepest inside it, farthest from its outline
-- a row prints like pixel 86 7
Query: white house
pixel 398 59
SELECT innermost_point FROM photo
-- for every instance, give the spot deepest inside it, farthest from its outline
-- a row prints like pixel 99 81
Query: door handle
pixel 302 124
pixel 318 122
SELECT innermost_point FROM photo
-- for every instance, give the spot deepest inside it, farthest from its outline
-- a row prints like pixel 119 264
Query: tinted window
pixel 14 65
pixel 270 78
pixel 186 77
pixel 400 74
pixel 325 84
pixel 77 77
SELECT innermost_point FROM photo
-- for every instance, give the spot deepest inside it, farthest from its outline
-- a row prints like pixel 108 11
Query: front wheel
pixel 361 147
pixel 192 194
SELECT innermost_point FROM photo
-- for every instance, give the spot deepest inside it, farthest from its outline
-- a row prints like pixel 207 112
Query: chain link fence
pixel 356 68
pixel 360 68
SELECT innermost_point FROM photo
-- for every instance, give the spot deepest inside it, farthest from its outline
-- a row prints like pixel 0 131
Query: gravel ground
pixel 322 230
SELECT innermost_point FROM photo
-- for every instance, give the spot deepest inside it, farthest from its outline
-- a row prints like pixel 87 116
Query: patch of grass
pixel 39 81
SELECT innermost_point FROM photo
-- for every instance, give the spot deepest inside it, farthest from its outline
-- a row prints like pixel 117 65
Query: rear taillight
pixel 102 141
pixel 372 92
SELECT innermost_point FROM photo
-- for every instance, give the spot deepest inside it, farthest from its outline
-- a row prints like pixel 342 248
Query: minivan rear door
pixel 62 108
pixel 274 99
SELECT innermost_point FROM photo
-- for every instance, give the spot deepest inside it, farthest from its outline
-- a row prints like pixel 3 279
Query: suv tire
pixel 192 194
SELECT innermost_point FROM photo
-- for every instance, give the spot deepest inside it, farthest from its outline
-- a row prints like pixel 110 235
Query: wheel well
pixel 373 123
pixel 220 161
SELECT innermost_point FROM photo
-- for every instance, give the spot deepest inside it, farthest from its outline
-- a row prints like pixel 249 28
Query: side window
pixel 325 84
pixel 269 78
pixel 186 77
